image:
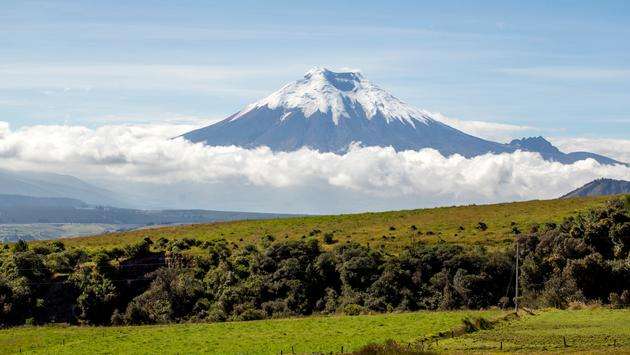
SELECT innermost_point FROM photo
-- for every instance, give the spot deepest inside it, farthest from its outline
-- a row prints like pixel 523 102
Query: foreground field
pixel 392 230
pixel 311 334
pixel 592 331
pixel 599 330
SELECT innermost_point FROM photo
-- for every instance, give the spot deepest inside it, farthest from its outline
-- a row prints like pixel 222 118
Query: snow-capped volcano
pixel 329 111
pixel 340 94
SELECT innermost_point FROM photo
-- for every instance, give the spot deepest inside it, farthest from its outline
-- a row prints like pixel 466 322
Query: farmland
pixel 309 334
pixel 597 330
pixel 601 330
pixel 392 230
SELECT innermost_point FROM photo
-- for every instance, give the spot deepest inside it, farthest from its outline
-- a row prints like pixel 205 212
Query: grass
pixel 306 335
pixel 389 230
pixel 589 330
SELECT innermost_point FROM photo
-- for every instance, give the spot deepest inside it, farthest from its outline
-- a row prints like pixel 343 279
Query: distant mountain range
pixel 601 187
pixel 328 111
pixel 16 209
pixel 38 184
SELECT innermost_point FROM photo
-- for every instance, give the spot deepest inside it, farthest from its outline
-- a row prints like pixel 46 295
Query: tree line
pixel 585 258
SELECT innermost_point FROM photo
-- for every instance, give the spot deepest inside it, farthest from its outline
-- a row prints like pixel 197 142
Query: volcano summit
pixel 328 111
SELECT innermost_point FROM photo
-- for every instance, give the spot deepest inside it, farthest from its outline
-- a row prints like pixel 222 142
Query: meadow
pixel 599 330
pixel 588 330
pixel 390 230
pixel 300 335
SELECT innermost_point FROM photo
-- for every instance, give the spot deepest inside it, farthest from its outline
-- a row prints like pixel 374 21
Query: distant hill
pixel 392 230
pixel 41 218
pixel 550 152
pixel 17 209
pixel 16 201
pixel 38 184
pixel 601 187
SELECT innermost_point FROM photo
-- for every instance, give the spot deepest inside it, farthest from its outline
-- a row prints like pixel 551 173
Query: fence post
pixel 564 340
pixel 501 348
pixel 342 349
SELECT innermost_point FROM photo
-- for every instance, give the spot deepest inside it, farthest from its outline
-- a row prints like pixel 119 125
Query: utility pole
pixel 516 288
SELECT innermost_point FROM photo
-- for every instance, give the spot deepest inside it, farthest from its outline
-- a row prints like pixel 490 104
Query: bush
pixel 353 309
pixel 481 226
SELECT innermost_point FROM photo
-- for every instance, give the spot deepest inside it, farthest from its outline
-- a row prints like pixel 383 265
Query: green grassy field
pixel 591 331
pixel 393 230
pixel 306 335
pixel 597 330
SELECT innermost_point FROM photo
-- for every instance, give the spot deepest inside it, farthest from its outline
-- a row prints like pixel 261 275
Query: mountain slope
pixel 39 184
pixel 329 111
pixel 18 201
pixel 549 152
pixel 601 187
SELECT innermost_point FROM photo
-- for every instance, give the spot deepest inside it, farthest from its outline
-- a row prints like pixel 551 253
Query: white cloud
pixel 146 154
pixel 581 73
pixel 4 129
pixel 86 77
pixel 618 149
pixel 502 132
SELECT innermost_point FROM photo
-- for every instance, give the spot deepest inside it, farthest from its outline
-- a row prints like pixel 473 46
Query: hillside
pixel 177 280
pixel 39 184
pixel 601 187
pixel 393 229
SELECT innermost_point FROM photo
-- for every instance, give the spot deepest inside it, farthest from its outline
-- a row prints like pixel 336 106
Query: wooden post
pixel 342 349
pixel 501 347
pixel 516 288
pixel 564 340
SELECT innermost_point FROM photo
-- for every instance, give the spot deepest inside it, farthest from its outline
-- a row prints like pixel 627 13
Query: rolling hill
pixel 393 230
pixel 601 187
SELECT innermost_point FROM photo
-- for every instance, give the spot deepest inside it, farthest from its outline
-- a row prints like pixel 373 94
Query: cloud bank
pixel 618 149
pixel 147 154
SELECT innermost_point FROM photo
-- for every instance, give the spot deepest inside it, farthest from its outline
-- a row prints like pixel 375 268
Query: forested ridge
pixel 585 258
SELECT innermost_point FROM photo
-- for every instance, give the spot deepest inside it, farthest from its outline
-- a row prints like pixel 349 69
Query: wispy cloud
pixel 618 149
pixel 568 72
pixel 86 77
pixel 496 131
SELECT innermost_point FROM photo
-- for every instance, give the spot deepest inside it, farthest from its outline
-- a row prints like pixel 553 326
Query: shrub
pixel 481 226
pixel 329 238
pixel 353 309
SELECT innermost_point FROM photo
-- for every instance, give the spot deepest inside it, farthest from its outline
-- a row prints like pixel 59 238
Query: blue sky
pixel 560 66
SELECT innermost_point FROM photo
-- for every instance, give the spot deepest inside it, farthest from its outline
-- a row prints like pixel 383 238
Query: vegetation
pixel 391 230
pixel 588 329
pixel 303 335
pixel 582 259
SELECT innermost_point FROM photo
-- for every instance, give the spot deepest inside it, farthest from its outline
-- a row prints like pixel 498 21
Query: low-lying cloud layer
pixel 147 154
